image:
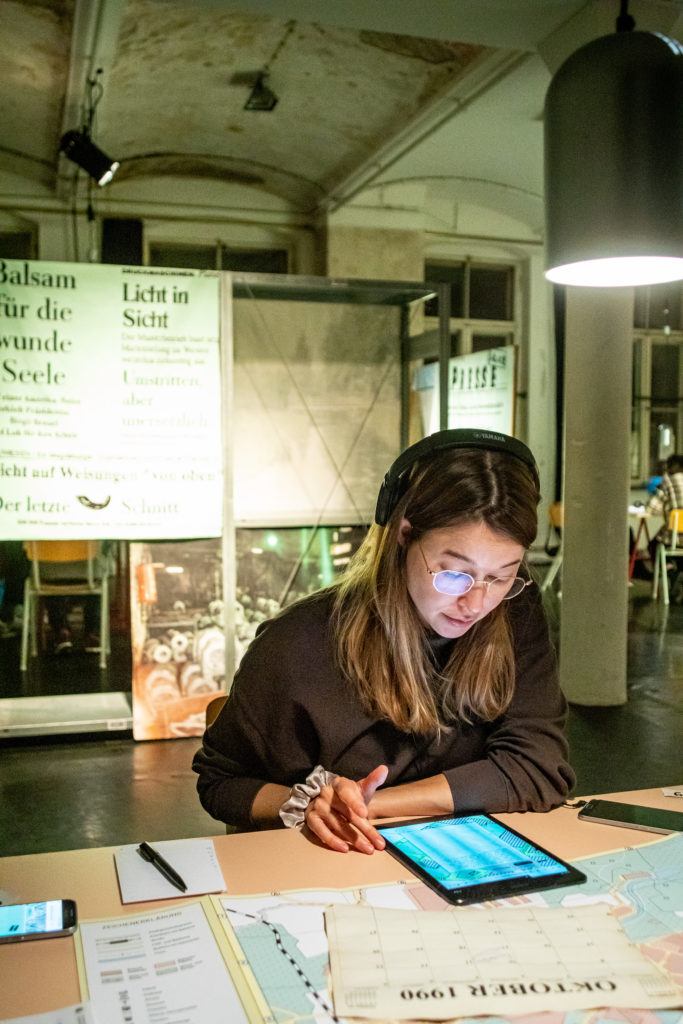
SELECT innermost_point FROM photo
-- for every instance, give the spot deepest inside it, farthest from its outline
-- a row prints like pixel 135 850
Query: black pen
pixel 162 866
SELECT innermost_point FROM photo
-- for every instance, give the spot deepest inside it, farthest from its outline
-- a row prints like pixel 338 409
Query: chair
pixel 95 581
pixel 665 551
pixel 555 524
pixel 213 708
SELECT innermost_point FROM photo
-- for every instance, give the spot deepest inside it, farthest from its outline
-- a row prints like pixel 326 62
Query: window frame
pixel 643 403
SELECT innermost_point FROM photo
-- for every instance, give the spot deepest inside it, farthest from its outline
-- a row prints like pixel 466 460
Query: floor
pixel 89 791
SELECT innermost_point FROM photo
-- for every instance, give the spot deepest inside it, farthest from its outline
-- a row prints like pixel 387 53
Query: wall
pixel 380 253
pixel 384 237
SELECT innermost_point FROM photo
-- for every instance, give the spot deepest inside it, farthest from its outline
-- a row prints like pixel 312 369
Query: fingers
pixel 346 797
pixel 341 831
pixel 371 782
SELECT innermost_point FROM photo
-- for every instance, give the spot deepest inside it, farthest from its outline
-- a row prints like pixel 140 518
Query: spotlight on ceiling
pixel 79 147
pixel 614 162
pixel 261 97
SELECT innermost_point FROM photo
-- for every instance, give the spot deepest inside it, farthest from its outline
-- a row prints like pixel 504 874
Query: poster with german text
pixel 110 402
pixel 481 390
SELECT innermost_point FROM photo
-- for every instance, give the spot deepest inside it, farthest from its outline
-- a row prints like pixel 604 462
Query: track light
pixel 261 97
pixel 614 162
pixel 79 147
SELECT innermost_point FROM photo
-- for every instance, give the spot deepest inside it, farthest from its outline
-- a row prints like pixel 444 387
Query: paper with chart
pixel 402 963
pixel 643 887
pixel 164 966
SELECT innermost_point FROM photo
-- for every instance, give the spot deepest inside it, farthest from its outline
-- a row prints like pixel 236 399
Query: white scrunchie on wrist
pixel 293 810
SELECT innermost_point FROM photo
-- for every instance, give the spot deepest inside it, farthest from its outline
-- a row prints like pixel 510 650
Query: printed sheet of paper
pixel 80 1013
pixel 164 966
pixel 195 861
pixel 432 965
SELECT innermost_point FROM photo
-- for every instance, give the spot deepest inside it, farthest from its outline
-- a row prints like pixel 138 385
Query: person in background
pixel 59 611
pixel 14 566
pixel 667 496
pixel 421 682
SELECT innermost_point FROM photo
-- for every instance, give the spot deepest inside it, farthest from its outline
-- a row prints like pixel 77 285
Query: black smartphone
pixel 650 819
pixel 470 858
pixel 45 920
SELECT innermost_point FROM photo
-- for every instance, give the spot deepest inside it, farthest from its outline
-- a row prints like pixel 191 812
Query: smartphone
pixel 46 920
pixel 651 819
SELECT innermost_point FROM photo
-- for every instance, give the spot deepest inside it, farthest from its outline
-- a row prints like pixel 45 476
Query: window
pixel 482 304
pixel 478 291
pixel 657 413
pixel 195 257
pixel 658 307
pixel 17 245
pixel 483 316
pixel 218 257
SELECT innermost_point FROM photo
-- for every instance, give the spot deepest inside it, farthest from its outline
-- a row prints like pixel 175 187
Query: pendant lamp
pixel 614 162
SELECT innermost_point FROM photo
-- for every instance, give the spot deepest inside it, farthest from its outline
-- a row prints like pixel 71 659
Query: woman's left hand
pixel 339 815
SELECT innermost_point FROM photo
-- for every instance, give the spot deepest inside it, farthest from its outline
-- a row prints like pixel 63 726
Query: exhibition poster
pixel 481 391
pixel 177 634
pixel 110 402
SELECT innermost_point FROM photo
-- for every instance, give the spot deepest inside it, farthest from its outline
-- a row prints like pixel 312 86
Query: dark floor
pixel 98 792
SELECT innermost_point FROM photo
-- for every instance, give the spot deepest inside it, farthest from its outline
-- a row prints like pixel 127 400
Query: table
pixel 40 976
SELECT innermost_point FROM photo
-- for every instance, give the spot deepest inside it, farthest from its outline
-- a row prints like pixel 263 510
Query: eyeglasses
pixel 455 584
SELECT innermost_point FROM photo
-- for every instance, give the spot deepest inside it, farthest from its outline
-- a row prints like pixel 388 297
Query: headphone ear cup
pixel 385 503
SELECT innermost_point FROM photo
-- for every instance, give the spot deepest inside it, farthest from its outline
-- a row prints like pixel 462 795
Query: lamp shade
pixel 614 163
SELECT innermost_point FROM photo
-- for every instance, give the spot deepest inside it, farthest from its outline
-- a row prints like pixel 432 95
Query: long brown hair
pixel 383 647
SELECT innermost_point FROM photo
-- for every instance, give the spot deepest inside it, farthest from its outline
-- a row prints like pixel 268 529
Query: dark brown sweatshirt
pixel 290 709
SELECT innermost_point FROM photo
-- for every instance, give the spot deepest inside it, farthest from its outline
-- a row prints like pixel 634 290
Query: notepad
pixel 195 861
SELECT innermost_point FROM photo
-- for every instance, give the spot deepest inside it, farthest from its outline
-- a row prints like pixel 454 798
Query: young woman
pixel 422 682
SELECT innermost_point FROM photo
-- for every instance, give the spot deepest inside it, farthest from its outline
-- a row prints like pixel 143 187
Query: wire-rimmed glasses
pixel 455 584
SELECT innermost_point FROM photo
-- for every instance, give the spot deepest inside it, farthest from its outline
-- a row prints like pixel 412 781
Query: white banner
pixel 110 402
pixel 481 390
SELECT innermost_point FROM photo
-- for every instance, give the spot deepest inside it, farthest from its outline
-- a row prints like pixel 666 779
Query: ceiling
pixel 443 95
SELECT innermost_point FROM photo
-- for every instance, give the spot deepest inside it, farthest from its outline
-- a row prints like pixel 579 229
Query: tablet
pixel 470 858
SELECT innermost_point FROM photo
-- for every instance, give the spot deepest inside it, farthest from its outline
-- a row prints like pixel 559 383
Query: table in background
pixel 41 975
pixel 644 527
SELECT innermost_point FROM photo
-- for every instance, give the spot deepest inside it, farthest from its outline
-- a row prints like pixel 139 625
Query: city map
pixel 280 947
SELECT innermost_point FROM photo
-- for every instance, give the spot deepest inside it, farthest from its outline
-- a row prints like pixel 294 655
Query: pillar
pixel 594 617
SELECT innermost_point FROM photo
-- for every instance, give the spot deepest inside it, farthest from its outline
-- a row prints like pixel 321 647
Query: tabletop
pixel 252 862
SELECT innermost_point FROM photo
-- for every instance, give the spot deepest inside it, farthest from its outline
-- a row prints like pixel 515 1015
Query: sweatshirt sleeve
pixel 264 732
pixel 526 766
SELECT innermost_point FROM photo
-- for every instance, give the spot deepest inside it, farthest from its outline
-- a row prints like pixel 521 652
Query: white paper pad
pixel 433 965
pixel 194 859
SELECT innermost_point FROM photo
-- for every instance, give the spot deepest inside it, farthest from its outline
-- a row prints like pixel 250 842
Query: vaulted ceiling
pixel 371 93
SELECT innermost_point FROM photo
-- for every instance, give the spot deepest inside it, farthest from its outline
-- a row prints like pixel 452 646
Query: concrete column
pixel 595 493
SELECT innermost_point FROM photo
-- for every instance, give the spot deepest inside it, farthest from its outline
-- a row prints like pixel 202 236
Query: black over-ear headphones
pixel 396 481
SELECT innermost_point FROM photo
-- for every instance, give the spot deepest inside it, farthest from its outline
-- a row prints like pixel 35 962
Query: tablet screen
pixel 473 857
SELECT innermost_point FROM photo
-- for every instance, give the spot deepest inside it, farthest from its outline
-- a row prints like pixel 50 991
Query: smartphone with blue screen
pixel 47 919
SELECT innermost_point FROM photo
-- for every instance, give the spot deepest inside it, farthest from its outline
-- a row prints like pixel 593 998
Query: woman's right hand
pixel 339 815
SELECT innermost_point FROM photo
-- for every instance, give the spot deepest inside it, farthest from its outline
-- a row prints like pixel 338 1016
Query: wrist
pixel 293 811
pixel 380 804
